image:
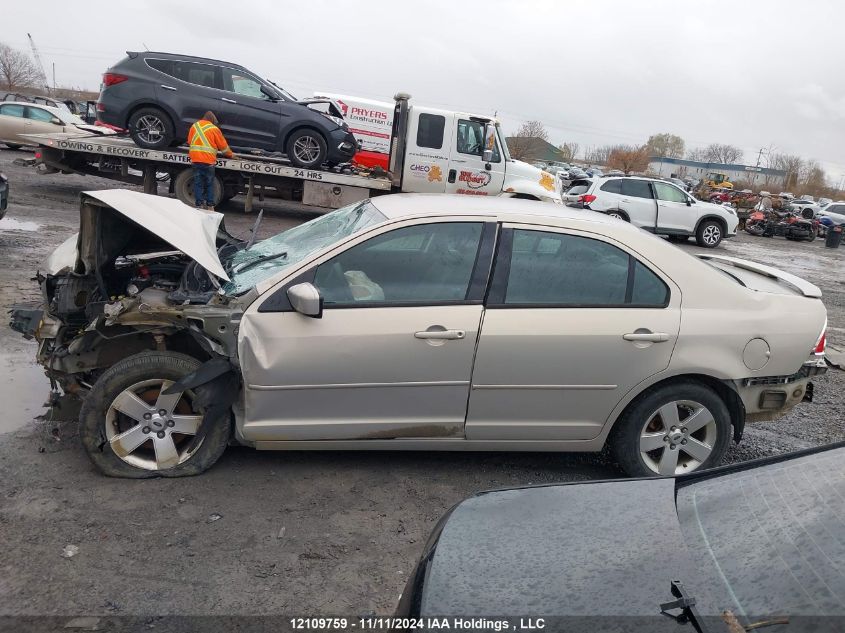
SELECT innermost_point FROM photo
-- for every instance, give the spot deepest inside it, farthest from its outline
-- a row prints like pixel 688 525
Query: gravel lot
pixel 297 533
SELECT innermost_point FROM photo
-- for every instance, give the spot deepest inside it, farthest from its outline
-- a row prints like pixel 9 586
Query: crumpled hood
pixel 190 230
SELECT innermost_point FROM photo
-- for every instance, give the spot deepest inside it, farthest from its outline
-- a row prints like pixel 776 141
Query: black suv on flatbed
pixel 158 96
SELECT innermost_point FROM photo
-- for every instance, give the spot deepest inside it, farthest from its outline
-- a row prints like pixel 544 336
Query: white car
pixel 574 194
pixel 801 204
pixel 835 211
pixel 18 119
pixel 661 207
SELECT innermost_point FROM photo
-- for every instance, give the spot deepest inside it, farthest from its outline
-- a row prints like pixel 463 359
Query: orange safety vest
pixel 204 140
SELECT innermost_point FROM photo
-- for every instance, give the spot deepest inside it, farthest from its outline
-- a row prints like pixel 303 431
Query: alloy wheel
pixel 678 437
pixel 306 149
pixel 150 129
pixel 711 235
pixel 149 429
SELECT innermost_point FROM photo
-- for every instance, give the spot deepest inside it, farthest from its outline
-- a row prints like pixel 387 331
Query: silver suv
pixel 661 207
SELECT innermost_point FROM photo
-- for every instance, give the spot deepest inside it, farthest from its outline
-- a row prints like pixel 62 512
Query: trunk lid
pixel 761 277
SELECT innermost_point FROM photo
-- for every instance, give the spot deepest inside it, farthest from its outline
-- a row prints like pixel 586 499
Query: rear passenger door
pixel 637 202
pixel 553 359
pixel 189 89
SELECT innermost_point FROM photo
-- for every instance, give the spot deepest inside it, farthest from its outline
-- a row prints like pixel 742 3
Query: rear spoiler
pixel 805 287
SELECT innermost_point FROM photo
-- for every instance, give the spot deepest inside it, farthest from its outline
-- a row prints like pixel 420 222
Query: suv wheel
pixel 151 128
pixel 129 428
pixel 616 213
pixel 672 430
pixel 709 234
pixel 306 148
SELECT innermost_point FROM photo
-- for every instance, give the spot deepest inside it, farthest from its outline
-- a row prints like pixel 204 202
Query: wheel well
pixel 524 196
pixel 730 397
pixel 721 222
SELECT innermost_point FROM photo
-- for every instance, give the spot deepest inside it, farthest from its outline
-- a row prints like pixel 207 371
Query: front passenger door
pixel 468 173
pixel 391 355
pixel 251 118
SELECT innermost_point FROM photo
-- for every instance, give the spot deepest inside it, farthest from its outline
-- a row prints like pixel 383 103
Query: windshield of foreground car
pixel 266 258
pixel 772 535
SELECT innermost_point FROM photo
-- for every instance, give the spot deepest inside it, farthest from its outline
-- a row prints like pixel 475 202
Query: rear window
pixel 192 72
pixel 612 186
pixel 430 131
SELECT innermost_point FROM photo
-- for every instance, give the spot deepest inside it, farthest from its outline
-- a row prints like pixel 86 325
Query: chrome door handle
pixel 441 335
pixel 227 100
pixel 168 87
pixel 651 337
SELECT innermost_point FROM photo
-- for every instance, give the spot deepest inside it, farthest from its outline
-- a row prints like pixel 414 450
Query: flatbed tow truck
pixel 431 151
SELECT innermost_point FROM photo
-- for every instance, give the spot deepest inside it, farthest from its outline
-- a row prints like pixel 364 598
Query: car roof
pixel 177 56
pixel 402 205
pixel 29 104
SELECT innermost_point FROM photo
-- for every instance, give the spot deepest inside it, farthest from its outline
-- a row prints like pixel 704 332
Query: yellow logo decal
pixel 547 181
pixel 435 173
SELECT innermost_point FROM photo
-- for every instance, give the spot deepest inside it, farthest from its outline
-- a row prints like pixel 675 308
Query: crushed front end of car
pixel 143 273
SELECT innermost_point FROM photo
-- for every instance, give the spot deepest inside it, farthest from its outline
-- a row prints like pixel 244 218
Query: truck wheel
pixel 709 234
pixel 183 187
pixel 129 428
pixel 672 430
pixel 151 128
pixel 306 148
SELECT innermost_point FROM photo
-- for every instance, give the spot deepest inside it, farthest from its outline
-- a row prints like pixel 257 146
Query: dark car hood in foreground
pixel 761 541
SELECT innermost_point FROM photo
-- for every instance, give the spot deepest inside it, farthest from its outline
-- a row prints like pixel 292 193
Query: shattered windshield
pixel 264 259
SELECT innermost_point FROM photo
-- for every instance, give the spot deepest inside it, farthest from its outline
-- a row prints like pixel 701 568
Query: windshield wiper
pixel 260 260
pixel 686 604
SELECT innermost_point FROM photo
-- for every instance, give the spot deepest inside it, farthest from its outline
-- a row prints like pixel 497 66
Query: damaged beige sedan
pixel 405 322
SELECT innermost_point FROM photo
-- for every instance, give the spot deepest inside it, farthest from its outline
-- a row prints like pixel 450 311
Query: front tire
pixel 124 431
pixel 709 234
pixel 151 128
pixel 672 430
pixel 306 148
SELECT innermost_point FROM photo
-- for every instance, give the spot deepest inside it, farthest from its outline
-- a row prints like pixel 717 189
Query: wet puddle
pixel 24 389
pixel 11 224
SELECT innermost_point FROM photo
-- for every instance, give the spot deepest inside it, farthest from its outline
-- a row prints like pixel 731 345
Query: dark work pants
pixel 204 184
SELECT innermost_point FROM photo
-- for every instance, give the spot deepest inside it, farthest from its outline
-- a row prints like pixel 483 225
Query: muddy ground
pixel 298 533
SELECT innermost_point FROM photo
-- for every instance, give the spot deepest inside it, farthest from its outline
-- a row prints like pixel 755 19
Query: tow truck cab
pixel 440 151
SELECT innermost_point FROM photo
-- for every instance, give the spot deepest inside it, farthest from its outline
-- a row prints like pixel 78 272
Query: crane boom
pixel 39 64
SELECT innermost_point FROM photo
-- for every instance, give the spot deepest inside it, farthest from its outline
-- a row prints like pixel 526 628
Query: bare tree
pixel 628 159
pixel 723 153
pixel 793 166
pixel 665 144
pixel 17 70
pixel 813 176
pixel 568 151
pixel 598 155
pixel 698 154
pixel 522 144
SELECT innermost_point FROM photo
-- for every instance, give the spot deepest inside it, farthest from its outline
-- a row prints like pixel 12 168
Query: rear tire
pixel 183 187
pixel 151 128
pixel 709 234
pixel 306 148
pixel 113 420
pixel 620 215
pixel 642 427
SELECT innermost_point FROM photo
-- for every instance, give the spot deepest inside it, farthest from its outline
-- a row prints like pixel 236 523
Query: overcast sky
pixel 746 72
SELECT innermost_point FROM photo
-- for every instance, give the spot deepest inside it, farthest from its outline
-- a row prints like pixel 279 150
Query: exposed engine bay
pixel 121 288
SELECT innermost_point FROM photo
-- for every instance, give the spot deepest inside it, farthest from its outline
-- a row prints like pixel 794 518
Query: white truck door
pixel 468 173
pixel 427 152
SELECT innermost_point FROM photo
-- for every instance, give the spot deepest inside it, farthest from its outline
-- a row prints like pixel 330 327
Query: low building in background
pixel 755 176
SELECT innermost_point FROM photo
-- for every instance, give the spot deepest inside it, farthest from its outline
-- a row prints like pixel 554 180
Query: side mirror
pixel 489 142
pixel 269 93
pixel 306 299
pixel 689 202
pixel 56 121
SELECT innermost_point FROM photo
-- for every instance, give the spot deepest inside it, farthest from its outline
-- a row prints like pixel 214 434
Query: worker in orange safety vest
pixel 204 141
